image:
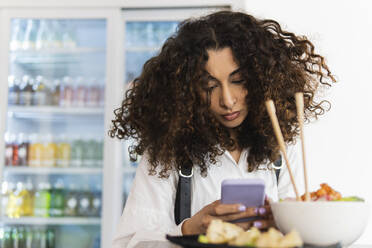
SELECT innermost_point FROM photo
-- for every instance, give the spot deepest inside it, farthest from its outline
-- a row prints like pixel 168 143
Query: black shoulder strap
pixel 182 207
pixel 278 163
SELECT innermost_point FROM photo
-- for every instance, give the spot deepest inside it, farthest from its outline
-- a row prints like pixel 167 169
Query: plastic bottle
pixel 84 201
pixel 63 152
pixel 67 92
pixel 30 35
pixel 55 92
pixel 21 237
pixel 42 36
pixel 42 200
pixel 5 192
pixel 68 37
pixel 99 153
pixel 16 201
pixel 26 91
pixel 23 149
pixel 17 35
pixel 36 149
pixel 71 201
pixel 8 138
pixel 96 203
pixel 14 90
pixel 93 93
pixel 77 152
pixel 51 238
pixel 28 236
pixel 40 95
pixel 57 203
pixel 7 238
pixel 29 200
pixel 49 151
pixel 36 238
pixel 89 152
pixel 15 150
pixel 56 35
pixel 11 202
pixel 80 92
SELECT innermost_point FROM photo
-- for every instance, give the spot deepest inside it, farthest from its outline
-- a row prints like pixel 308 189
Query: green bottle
pixel 57 200
pixel 21 237
pixel 28 236
pixel 7 239
pixel 42 200
pixel 15 237
pixel 51 239
pixel 36 237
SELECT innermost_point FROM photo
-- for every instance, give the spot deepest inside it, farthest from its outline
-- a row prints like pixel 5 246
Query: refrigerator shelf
pixel 50 221
pixel 25 170
pixel 37 111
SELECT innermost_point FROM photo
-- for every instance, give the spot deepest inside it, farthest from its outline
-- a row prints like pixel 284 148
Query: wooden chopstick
pixel 299 96
pixel 279 137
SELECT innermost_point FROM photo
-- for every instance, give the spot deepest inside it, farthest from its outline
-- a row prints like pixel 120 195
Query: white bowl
pixel 322 223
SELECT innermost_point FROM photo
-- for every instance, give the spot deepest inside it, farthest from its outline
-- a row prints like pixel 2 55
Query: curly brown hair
pixel 166 115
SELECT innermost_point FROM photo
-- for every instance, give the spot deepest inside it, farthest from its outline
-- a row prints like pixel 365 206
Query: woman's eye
pixel 238 81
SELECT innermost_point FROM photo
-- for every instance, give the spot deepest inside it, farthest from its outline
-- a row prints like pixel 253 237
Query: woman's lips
pixel 232 116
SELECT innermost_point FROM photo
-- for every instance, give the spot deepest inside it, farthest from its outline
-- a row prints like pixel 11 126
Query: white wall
pixel 339 144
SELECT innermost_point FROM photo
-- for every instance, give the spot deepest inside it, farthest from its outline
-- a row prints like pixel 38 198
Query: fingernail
pixel 256 211
pixel 257 224
pixel 262 211
pixel 242 208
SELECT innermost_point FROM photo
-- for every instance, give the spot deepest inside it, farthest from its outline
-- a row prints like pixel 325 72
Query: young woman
pixel 200 103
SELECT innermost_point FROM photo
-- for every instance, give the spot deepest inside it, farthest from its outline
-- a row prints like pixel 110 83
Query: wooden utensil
pixel 299 96
pixel 279 137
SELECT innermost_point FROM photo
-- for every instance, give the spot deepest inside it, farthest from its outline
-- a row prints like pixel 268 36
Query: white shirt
pixel 149 210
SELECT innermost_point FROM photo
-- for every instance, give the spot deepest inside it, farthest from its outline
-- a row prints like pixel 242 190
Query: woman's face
pixel 225 84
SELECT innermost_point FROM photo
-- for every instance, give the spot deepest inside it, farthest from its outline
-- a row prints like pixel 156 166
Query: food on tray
pixel 220 232
pixel 326 193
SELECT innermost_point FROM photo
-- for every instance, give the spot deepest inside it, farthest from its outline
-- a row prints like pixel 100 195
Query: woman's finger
pixel 224 209
pixel 263 224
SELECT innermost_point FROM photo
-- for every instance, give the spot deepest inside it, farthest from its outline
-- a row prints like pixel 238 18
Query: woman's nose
pixel 227 98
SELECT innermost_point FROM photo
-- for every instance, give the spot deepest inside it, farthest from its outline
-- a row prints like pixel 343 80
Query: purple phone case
pixel 249 192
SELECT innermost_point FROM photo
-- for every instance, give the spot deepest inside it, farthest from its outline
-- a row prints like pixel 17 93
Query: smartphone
pixel 248 192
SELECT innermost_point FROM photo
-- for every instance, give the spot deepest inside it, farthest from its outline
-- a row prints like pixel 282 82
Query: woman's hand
pixel 198 223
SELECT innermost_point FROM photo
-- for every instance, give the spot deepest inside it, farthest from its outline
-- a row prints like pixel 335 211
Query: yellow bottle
pixel 15 202
pixel 35 152
pixel 63 153
pixel 49 152
pixel 27 208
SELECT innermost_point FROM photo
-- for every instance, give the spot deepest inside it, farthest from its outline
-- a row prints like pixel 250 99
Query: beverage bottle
pixel 51 238
pixel 15 149
pixel 67 92
pixel 29 237
pixel 15 237
pixel 23 147
pixel 49 151
pixel 21 237
pixel 36 149
pixel 56 35
pixel 102 93
pixel 63 152
pixel 17 34
pixel 99 152
pixel 26 91
pixel 30 35
pixel 57 203
pixel 93 93
pixel 16 201
pixel 80 92
pixel 40 94
pixel 14 90
pixel 36 238
pixel 42 36
pixel 9 139
pixel 56 92
pixel 71 201
pixel 7 242
pixel 5 191
pixel 77 151
pixel 89 152
pixel 43 238
pixel 11 202
pixel 84 201
pixel 28 207
pixel 96 203
pixel 24 200
pixel 42 200
pixel 68 37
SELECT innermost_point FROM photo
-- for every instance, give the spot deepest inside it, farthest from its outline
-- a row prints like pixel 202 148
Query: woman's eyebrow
pixel 234 72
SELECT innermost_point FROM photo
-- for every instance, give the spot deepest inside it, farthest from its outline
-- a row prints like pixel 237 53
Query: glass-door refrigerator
pixel 53 128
